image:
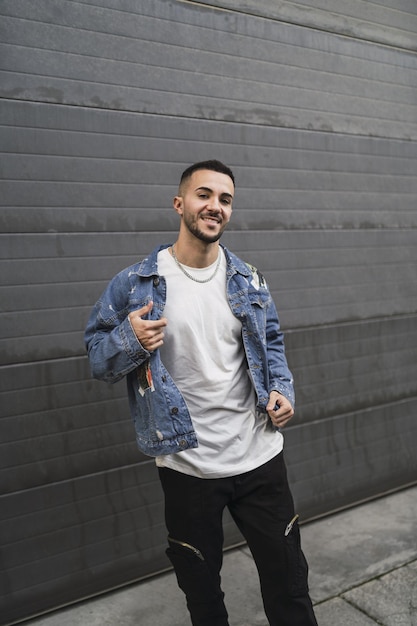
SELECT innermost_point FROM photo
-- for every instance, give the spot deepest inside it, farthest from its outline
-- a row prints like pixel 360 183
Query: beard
pixel 192 225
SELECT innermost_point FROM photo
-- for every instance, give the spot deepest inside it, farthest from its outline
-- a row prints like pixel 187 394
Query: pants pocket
pixel 200 585
pixel 297 567
pixel 193 574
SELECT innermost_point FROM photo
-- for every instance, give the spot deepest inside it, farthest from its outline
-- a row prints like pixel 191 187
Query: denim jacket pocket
pixel 258 301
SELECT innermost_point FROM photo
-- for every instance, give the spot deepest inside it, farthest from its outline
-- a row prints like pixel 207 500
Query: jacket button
pixel 156 282
pixel 182 443
pixel 174 410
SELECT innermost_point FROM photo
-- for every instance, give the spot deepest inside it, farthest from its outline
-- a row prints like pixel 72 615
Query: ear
pixel 178 203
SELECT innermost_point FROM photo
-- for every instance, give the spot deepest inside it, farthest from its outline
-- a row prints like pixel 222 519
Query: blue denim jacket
pixel 161 417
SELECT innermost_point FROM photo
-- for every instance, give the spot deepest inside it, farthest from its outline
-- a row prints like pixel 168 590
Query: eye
pixel 226 201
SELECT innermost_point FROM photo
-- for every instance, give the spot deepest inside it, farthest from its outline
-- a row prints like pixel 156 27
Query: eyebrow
pixel 225 193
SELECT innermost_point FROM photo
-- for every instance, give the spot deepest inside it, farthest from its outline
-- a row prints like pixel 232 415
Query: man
pixel 195 331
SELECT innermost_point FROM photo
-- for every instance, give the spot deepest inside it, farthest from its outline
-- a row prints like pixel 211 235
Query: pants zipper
pixel 188 546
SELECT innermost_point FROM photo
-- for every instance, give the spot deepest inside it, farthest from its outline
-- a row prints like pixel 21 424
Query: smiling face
pixel 205 204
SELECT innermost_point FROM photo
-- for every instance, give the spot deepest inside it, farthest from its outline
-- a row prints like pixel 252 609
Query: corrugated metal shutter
pixel 104 102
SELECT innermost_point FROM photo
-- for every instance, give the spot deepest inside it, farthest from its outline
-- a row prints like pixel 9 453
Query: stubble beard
pixel 199 234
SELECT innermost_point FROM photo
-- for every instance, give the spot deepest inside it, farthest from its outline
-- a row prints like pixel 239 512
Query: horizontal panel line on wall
pixel 38 407
pixel 279 55
pixel 73 241
pixel 69 537
pixel 286 74
pixel 352 323
pixel 39 293
pixel 12 382
pixel 89 515
pixel 42 577
pixel 35 402
pixel 201 107
pixel 396 404
pixel 97 185
pixel 404 357
pixel 67 360
pixel 288 289
pixel 346 311
pixel 71 452
pixel 379 442
pixel 43 412
pixel 327 145
pixel 338 24
pixel 346 345
pixel 63 244
pixel 244 29
pixel 390 390
pixel 84 486
pixel 187 20
pixel 342 298
pixel 164 127
pixel 317 243
pixel 126 170
pixel 68 259
pixel 29 276
pixel 373 320
pixel 294 160
pixel 15 60
pixel 59 90
pixel 148 22
pixel 68 546
pixel 337 218
pixel 342 451
pixel 270 221
pixel 306 414
pixel 65 532
pixel 328 273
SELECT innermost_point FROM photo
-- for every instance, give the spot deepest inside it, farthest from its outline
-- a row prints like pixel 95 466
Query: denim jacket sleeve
pixel 280 377
pixel 261 332
pixel 113 348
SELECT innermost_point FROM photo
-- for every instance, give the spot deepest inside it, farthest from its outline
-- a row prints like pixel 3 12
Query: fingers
pixel 279 409
pixel 149 332
pixel 144 310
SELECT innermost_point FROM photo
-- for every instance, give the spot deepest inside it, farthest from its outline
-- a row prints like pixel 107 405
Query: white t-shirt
pixel 204 354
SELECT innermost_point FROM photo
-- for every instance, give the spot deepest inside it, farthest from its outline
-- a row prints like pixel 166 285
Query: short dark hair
pixel 213 165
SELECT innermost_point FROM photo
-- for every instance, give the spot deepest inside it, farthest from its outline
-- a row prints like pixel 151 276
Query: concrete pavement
pixel 363 572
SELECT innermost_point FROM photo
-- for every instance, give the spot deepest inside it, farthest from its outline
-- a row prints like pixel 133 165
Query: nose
pixel 214 204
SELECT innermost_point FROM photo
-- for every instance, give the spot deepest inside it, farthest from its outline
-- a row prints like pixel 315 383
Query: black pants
pixel 261 504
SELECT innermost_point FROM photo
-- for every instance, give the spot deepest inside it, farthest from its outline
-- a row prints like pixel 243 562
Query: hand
pixel 284 412
pixel 149 332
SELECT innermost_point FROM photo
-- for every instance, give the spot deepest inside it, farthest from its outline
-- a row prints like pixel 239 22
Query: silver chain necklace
pixel 184 271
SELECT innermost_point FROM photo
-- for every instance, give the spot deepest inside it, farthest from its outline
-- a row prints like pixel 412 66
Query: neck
pixel 200 255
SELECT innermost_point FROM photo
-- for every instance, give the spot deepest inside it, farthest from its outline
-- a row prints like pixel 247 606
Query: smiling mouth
pixel 210 219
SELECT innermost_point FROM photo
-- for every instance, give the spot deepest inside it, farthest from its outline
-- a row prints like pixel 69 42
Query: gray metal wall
pixel 103 104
